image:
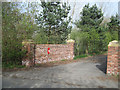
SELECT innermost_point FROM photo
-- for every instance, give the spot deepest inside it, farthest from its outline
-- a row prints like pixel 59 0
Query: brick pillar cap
pixel 114 43
pixel 70 40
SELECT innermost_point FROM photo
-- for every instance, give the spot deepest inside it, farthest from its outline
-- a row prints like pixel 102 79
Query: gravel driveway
pixel 89 73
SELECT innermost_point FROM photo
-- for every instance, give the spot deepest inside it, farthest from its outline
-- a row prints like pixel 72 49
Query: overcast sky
pixel 109 7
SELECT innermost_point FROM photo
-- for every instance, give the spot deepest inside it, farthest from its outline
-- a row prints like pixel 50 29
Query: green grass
pixel 53 61
pixel 85 55
pixel 80 56
pixel 63 60
pixel 117 76
pixel 11 66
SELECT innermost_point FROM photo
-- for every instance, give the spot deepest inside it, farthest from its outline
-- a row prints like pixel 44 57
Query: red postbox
pixel 48 51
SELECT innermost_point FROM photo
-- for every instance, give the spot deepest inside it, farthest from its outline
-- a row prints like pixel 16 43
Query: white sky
pixel 110 7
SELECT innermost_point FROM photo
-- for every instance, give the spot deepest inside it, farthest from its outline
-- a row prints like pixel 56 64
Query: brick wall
pixel 57 52
pixel 40 54
pixel 113 58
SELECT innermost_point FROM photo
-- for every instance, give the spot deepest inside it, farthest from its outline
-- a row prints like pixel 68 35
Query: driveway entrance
pixel 88 73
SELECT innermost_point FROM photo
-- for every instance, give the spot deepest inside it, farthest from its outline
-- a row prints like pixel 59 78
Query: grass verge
pixel 86 55
pixel 12 66
pixel 80 56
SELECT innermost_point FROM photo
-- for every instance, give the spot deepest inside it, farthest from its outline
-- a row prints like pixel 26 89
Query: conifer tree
pixel 55 21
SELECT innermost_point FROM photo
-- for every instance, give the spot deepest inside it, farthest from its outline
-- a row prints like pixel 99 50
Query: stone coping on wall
pixel 31 42
pixel 25 42
pixel 114 43
pixel 70 41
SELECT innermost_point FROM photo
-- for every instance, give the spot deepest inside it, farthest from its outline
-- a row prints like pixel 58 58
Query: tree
pixel 91 18
pixel 40 37
pixel 26 26
pixel 55 21
pixel 114 26
pixel 11 43
pixel 80 41
pixel 16 27
pixel 114 23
